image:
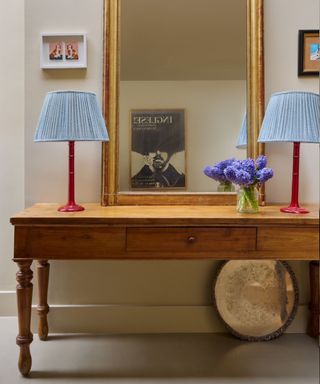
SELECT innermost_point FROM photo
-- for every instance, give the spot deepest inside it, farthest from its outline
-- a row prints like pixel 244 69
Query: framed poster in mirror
pixel 158 156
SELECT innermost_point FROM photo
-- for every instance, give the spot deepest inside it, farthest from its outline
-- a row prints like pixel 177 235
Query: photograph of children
pixel 312 59
pixel 158 149
pixel 56 51
pixel 309 53
pixel 72 51
pixel 314 52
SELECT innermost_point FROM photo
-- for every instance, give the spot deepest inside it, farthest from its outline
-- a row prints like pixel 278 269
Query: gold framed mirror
pixel 112 192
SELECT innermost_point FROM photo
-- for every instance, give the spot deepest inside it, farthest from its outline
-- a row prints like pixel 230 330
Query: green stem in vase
pixel 247 200
pixel 225 187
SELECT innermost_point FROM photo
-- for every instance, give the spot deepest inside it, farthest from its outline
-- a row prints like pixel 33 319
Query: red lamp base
pixel 294 209
pixel 294 205
pixel 71 208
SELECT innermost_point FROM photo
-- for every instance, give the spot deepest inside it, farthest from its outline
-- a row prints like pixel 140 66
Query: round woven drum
pixel 256 299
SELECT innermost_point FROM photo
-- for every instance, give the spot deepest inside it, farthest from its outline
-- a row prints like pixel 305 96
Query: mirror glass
pixel 256 299
pixel 182 92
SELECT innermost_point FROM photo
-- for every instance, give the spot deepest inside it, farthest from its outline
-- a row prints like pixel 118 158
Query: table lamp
pixel 295 117
pixel 243 135
pixel 71 116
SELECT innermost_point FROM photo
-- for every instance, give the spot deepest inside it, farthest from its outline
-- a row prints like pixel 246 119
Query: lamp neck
pixel 71 200
pixel 71 205
pixel 294 205
pixel 295 175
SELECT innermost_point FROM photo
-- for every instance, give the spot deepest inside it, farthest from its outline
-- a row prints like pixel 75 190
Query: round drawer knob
pixel 191 239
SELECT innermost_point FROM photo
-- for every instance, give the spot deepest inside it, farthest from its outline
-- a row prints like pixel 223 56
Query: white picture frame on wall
pixel 63 50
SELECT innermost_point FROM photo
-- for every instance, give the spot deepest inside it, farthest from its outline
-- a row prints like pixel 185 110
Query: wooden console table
pixel 152 232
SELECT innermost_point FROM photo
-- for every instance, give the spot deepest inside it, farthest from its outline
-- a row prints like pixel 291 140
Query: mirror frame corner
pixel 111 77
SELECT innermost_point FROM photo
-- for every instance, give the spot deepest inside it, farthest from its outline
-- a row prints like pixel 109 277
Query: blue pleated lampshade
pixel 71 116
pixel 292 116
pixel 243 135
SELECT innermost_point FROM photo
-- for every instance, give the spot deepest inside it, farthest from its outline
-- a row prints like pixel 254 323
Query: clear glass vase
pixel 225 187
pixel 248 199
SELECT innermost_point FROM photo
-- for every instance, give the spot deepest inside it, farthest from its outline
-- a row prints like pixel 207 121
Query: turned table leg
pixel 43 307
pixel 313 327
pixel 24 301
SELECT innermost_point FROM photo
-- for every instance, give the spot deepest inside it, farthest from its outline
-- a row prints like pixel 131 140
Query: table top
pixel 94 213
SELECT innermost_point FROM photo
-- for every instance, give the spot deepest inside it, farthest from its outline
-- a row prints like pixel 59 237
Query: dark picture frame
pixel 158 155
pixel 309 52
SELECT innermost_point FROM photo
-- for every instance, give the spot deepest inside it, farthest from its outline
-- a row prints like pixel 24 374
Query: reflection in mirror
pixel 186 55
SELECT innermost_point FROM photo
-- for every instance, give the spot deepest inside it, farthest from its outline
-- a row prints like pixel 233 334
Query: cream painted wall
pixel 11 130
pixel 207 107
pixel 46 163
pixel 283 19
pixel 153 295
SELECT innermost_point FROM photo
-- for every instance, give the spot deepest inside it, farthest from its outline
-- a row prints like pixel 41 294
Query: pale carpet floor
pixel 159 359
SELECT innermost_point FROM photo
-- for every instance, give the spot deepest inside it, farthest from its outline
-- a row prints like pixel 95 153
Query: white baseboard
pixel 8 303
pixel 122 319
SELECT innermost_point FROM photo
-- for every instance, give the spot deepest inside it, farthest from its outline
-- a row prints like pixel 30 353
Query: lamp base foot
pixel 71 208
pixel 294 209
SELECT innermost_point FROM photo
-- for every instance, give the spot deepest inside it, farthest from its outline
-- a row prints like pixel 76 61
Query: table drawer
pixel 60 242
pixel 288 239
pixel 191 239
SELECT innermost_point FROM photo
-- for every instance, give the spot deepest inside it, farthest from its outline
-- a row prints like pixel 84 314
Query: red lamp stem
pixel 294 205
pixel 71 174
pixel 71 205
pixel 295 175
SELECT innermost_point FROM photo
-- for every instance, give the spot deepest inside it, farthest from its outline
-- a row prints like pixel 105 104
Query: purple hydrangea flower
pixel 207 170
pixel 213 173
pixel 242 172
pixel 216 171
pixel 264 174
pixel 238 175
pixel 225 163
pixel 248 166
pixel 261 162
pixel 244 177
pixel 230 174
